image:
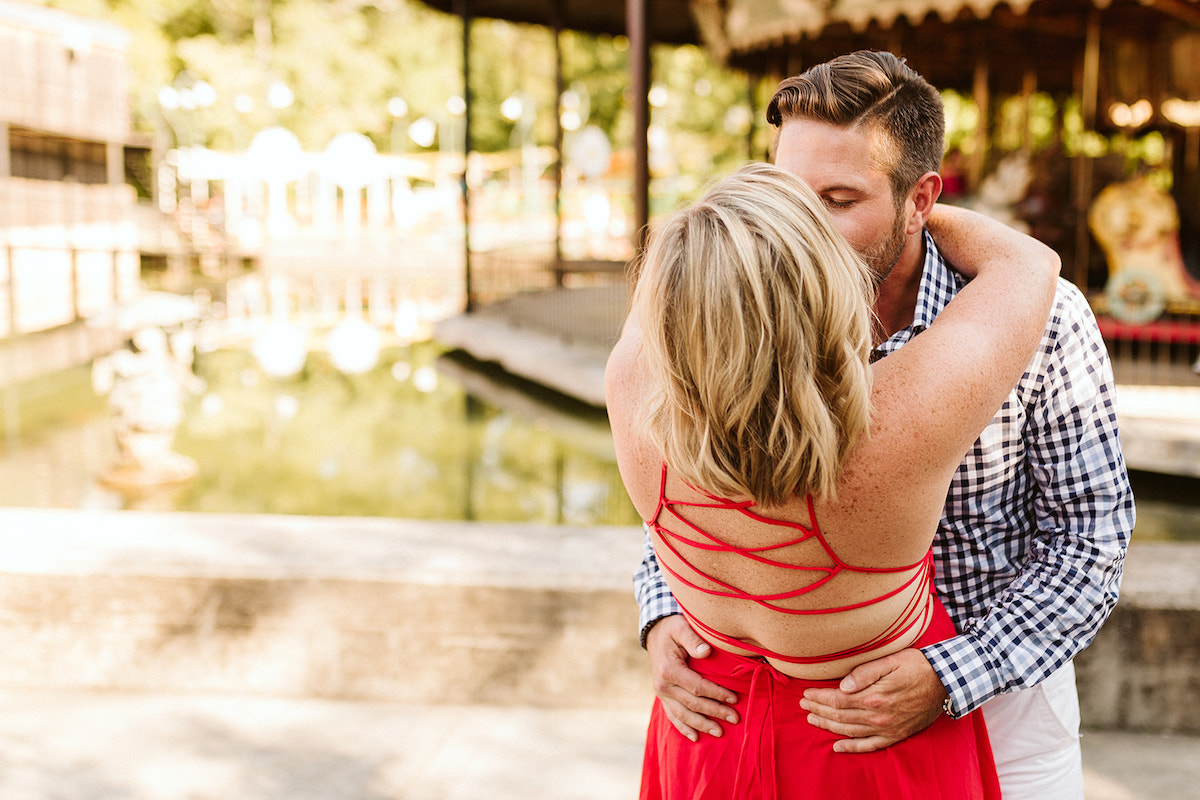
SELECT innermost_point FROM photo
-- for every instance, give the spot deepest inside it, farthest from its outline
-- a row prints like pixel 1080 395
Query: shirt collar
pixel 939 284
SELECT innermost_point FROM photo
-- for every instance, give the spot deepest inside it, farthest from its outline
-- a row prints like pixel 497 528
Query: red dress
pixel 773 751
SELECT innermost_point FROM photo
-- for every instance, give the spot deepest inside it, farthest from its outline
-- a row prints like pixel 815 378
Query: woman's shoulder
pixel 624 373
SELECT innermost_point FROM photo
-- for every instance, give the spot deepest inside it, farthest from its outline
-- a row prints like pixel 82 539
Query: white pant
pixel 1035 739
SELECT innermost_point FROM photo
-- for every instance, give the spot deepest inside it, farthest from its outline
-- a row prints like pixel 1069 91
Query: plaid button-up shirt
pixel 1037 520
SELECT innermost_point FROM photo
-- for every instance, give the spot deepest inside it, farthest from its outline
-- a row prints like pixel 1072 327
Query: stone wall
pixel 419 612
pixel 1143 670
pixel 431 612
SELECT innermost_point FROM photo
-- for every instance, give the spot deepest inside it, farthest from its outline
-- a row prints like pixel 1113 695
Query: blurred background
pixel 295 193
pixel 298 269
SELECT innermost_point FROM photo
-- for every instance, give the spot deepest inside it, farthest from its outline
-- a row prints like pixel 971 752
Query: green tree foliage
pixel 345 59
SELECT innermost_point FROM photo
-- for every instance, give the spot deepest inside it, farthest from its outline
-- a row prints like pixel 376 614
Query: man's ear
pixel 923 197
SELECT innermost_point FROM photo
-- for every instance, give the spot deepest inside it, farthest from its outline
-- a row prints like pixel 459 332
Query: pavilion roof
pixel 670 21
pixel 945 39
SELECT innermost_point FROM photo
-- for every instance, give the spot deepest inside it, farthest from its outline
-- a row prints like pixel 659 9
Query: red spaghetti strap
pixel 915 613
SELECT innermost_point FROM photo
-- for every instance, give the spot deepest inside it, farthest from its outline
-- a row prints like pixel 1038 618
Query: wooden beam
pixel 463 9
pixel 1091 71
pixel 1089 87
pixel 1028 90
pixel 1070 27
pixel 982 97
pixel 1185 12
pixel 1191 151
pixel 752 99
pixel 556 27
pixel 636 20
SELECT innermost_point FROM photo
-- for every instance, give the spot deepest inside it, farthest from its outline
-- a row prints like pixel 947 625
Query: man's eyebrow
pixel 842 187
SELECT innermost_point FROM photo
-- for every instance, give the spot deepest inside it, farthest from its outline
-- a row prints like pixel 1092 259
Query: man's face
pixel 837 163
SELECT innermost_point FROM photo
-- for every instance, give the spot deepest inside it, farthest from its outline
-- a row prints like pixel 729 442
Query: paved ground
pixel 204 747
pixel 156 747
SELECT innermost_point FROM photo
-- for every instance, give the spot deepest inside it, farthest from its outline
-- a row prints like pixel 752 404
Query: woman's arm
pixel 626 387
pixel 948 382
pixel 1012 276
pixel 966 238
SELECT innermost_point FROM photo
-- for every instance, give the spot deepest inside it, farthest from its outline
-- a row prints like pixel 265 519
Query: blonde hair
pixel 756 318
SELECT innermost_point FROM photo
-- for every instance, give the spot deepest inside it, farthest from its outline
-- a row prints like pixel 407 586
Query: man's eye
pixel 835 203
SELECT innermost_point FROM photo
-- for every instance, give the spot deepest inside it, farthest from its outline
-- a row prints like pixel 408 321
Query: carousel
pixel 1115 74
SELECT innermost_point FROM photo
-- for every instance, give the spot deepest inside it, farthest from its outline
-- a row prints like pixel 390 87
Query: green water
pixel 1168 507
pixel 404 440
pixel 425 435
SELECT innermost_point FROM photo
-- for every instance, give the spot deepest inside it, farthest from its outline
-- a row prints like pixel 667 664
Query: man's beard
pixel 883 256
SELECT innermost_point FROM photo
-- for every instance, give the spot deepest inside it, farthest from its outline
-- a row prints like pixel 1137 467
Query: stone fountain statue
pixel 146 384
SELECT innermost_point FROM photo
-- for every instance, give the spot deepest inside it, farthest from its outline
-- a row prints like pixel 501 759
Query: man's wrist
pixel 957 663
pixel 645 634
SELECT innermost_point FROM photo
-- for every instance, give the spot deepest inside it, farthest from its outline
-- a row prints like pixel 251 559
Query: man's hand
pixel 879 703
pixel 691 701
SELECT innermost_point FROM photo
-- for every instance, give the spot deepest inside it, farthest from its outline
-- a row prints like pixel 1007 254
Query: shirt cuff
pixel 967 671
pixel 651 617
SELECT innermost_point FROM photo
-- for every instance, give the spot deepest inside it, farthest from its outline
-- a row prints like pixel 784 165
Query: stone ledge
pixel 574 369
pixel 1143 670
pixel 433 612
pixel 70 542
pixel 349 639
pixel 1160 428
pixel 421 612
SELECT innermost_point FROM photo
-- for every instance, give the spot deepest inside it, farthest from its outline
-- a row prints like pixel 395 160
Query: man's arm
pixel 1053 608
pixel 1084 516
pixel 692 702
pixel 654 597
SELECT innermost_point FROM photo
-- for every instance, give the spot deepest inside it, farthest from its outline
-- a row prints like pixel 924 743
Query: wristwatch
pixel 948 707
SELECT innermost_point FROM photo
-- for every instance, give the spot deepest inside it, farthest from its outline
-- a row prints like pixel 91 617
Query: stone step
pixel 1142 672
pixel 404 611
pixel 435 613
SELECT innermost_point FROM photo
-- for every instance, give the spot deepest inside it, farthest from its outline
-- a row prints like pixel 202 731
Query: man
pixel 1030 548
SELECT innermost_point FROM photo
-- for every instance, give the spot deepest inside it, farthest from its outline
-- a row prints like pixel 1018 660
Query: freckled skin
pixel 904 463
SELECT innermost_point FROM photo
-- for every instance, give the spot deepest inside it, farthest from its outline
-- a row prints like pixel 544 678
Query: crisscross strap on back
pixel 915 613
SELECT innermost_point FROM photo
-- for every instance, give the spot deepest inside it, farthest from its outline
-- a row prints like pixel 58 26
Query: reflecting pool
pixel 425 434
pixel 422 435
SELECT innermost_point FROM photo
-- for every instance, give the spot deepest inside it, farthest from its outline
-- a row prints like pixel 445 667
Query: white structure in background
pixel 354 345
pixel 275 189
pixel 282 347
pixel 273 161
pixel 68 237
pixel 350 165
pixel 590 153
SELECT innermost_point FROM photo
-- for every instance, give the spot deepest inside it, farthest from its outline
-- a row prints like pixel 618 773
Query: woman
pixel 791 488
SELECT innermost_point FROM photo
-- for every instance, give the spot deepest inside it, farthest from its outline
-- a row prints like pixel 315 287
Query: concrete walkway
pixel 221 747
pixel 86 746
pixel 227 632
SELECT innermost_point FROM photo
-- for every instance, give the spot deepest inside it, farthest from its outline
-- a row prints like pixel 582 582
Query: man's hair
pixel 875 89
pixel 756 318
